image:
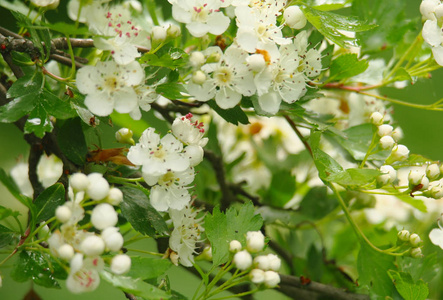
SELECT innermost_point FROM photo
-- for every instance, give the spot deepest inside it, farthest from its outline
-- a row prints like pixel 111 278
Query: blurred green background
pixel 423 131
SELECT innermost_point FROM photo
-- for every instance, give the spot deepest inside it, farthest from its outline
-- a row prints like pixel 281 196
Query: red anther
pixel 108 15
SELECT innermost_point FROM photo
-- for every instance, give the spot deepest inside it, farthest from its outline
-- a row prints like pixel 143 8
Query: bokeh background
pixel 423 134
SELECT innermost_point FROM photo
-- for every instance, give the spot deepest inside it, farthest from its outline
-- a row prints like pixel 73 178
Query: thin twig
pixel 298 133
pixel 219 168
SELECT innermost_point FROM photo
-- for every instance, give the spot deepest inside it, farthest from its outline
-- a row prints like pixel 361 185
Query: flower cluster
pixel 432 12
pixel 411 240
pixel 168 162
pixel 262 268
pixel 83 249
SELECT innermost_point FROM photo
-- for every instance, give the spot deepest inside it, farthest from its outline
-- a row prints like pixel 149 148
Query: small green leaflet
pixel 406 286
pixel 346 66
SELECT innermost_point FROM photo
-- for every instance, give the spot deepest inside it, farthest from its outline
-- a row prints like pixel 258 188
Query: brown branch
pixel 298 133
pixel 219 168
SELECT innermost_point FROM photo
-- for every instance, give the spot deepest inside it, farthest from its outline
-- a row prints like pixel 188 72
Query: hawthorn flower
pixel 272 279
pixel 294 17
pixel 84 274
pixel 188 132
pixel 227 80
pixel 186 233
pixel 158 156
pixel 432 35
pixel 200 16
pixel 109 86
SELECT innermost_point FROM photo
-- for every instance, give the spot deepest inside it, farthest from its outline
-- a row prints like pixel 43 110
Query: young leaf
pixel 148 267
pixel 72 141
pixel 38 122
pixel 326 165
pixel 221 228
pixel 48 201
pixel 346 66
pixel 171 91
pixel 233 115
pixel 329 25
pixel 136 287
pixel 407 288
pixel 354 176
pixel 173 59
pixel 372 268
pixel 139 212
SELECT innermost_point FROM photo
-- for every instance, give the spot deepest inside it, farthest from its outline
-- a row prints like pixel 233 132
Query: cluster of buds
pixel 427 181
pixel 263 269
pixel 389 138
pixel 83 248
pixel 413 241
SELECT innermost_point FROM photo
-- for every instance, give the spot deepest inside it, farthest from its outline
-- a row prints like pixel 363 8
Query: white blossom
pixel 255 241
pixel 92 245
pixel 112 238
pixel 104 216
pixel 98 187
pixel 272 279
pixel 120 264
pixel 242 260
pixel 84 274
pixel 257 276
pixel 294 17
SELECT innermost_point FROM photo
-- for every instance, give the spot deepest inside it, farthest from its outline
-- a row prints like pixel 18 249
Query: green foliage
pixel 407 288
pixel 172 59
pixel 329 25
pixel 282 188
pixel 354 177
pixel 140 213
pixel 233 115
pixel 48 201
pixel 221 228
pixel 39 267
pixel 72 141
pixel 6 236
pixel 346 66
pixel 147 267
pixel 316 204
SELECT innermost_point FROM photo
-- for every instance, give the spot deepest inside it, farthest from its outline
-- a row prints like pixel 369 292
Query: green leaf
pixel 34 265
pixel 48 201
pixel 326 165
pixel 6 236
pixel 24 92
pixel 282 188
pixel 329 25
pixel 417 203
pixel 136 287
pixel 61 109
pixel 72 141
pixel 346 66
pixel 7 212
pixel 233 115
pixel 148 267
pixel 139 212
pixel 407 288
pixel 221 228
pixel 174 58
pixel 356 177
pixel 316 204
pixel 9 183
pixel 425 268
pixel 171 91
pixel 38 122
pixel 372 268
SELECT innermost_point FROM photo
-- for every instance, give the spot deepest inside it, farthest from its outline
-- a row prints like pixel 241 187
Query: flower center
pixel 223 76
pixel 200 14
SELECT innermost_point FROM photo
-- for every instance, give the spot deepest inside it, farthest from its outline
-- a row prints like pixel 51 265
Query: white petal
pixel 218 23
pixel 198 29
pixel 157 197
pixel 432 33
pixel 125 100
pixel 270 102
pixel 227 98
pixel 438 54
pixel 247 40
pixel 100 104
pixel 436 237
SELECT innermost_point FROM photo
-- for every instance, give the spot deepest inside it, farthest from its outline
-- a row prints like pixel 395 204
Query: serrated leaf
pixel 425 268
pixel 354 176
pixel 373 269
pixel 140 213
pixel 136 287
pixel 329 25
pixel 148 267
pixel 326 165
pixel 48 201
pixel 171 91
pixel 72 141
pixel 233 115
pixel 34 265
pixel 38 122
pixel 221 228
pixel 407 288
pixel 346 66
pixel 316 203
pixel 173 59
pixel 57 107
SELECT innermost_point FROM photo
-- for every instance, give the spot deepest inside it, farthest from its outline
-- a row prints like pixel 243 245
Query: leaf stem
pixel 371 147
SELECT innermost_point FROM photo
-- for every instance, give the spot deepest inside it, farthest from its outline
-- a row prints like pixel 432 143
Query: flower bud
pixel 272 279
pixel 124 136
pixel 198 77
pixel 387 142
pixel 261 262
pixel 274 262
pixel 174 258
pixel 242 260
pixel 376 118
pixel 79 182
pixel 104 216
pixel 435 190
pixel 294 17
pixel 257 276
pixel 43 232
pixel 397 134
pixel 384 129
pixel 234 246
pixel 415 240
pixel 403 235
pixel 49 4
pixel 63 214
pixel 415 177
pixel 255 241
pixel 112 238
pixel 173 31
pixel 433 171
pixel 115 196
pixel 197 59
pixel 158 34
pixel 256 62
pixel 120 264
pixel 66 252
pixel 98 187
pixel 207 253
pixel 389 176
pixel 399 153
pixel 214 57
pixel 424 183
pixel 92 245
pixel 416 253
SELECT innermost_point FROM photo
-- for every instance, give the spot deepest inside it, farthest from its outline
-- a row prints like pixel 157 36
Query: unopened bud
pixel 261 262
pixel 63 214
pixel 197 59
pixel 389 176
pixel 384 129
pixel 66 252
pixel 173 31
pixel 416 253
pixel 124 136
pixel 198 77
pixel 214 57
pixel 397 134
pixel 415 240
pixel 272 279
pixel 98 188
pixel 112 238
pixel 79 182
pixel 158 34
pixel 294 17
pixel 242 260
pixel 403 235
pixel 255 241
pixel 120 264
pixel 257 276
pixel 115 196
pixel 92 245
pixel 387 142
pixel 399 153
pixel 433 171
pixel 104 216
pixel 415 177
pixel 376 118
pixel 234 246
